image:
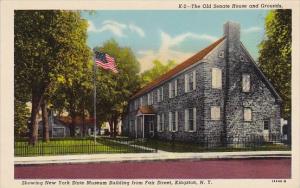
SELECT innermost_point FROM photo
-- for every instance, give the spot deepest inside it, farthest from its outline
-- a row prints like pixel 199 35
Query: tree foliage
pixel 50 48
pixel 275 54
pixel 21 116
pixel 157 70
pixel 114 90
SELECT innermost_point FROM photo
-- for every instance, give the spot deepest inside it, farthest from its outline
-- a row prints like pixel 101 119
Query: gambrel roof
pixel 190 61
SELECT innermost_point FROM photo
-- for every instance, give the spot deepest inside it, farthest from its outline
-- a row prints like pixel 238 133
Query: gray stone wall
pixel 230 97
pixel 259 99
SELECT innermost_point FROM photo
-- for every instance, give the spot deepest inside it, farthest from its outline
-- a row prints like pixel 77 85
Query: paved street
pixel 210 169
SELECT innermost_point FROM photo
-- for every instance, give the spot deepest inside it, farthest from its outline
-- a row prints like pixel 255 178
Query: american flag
pixel 105 61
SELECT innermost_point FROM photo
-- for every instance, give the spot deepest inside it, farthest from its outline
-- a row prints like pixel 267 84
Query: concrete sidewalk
pixel 96 158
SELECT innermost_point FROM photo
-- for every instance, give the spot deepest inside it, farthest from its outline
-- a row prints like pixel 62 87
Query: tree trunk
pixel 45 120
pixel 34 127
pixel 115 126
pixel 111 127
pixel 83 123
pixel 72 126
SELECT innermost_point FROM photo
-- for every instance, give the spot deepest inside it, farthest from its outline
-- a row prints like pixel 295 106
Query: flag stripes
pixel 106 62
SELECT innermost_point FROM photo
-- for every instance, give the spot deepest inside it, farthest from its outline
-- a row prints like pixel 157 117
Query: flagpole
pixel 95 94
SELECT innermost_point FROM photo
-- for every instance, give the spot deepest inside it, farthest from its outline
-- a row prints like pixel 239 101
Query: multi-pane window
pixel 160 94
pixel 215 112
pixel 173 121
pixel 150 98
pixel 131 106
pixel 131 126
pixel 160 122
pixel 141 101
pixel 136 104
pixel 247 114
pixel 246 82
pixel 190 81
pixel 173 89
pixel 190 119
pixel 216 80
pixel 266 125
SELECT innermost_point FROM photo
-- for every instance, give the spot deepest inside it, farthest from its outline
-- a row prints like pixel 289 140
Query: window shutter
pixel 158 95
pixel 170 90
pixel 162 93
pixel 194 79
pixel 194 119
pixel 186 83
pixel 170 121
pixel 176 120
pixel 186 119
pixel 158 123
pixel 175 87
pixel 163 122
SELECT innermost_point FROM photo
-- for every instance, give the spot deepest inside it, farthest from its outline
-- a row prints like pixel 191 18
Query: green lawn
pixel 73 146
pixel 191 147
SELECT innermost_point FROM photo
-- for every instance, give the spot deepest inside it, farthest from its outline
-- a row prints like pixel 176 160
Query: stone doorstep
pixel 151 157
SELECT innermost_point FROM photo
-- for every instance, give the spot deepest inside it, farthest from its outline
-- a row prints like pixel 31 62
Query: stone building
pixel 217 93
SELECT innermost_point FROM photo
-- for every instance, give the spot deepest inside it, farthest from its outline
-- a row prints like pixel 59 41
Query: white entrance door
pixel 266 131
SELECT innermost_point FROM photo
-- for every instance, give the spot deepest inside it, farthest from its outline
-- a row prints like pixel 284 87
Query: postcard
pixel 149 93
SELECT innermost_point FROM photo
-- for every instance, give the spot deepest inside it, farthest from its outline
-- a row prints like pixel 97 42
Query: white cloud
pixel 253 29
pixel 166 51
pixel 136 29
pixel 116 28
pixel 91 26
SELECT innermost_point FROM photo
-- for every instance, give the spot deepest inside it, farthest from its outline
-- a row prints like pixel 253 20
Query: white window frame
pixel 170 90
pixel 158 123
pixel 246 83
pixel 215 113
pixel 245 110
pixel 150 98
pixel 216 78
pixel 162 122
pixel 190 81
pixel 175 88
pixel 170 122
pixel 141 101
pixel 158 95
pixel 174 121
pixel 187 119
pixel 162 93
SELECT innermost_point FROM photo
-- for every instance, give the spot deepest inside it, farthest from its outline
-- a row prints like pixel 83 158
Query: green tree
pixel 21 116
pixel 157 70
pixel 50 45
pixel 115 89
pixel 75 96
pixel 275 54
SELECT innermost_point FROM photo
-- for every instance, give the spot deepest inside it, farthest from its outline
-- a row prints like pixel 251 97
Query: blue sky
pixel 171 34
